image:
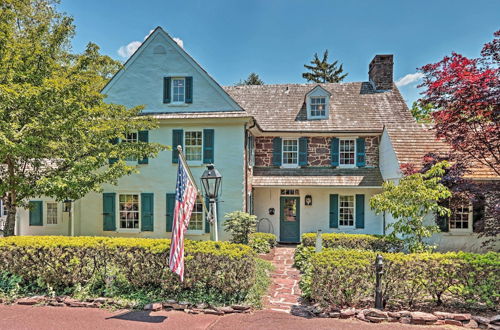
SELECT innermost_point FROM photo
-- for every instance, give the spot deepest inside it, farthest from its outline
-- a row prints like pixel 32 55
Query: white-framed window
pixel 52 213
pixel 290 153
pixel 289 192
pixel 318 106
pixel 3 209
pixel 347 152
pixel 131 138
pixel 128 211
pixel 461 218
pixel 178 90
pixel 346 211
pixel 197 218
pixel 193 146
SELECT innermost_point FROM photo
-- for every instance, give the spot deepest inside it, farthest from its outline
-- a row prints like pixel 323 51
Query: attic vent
pixel 287 90
pixel 159 50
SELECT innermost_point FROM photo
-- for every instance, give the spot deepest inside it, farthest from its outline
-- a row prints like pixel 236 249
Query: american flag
pixel 185 198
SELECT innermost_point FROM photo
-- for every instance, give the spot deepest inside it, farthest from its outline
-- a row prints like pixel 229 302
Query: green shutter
pixel 207 221
pixel 177 140
pixel 478 215
pixel 208 146
pixel 443 220
pixel 277 151
pixel 189 89
pixel 147 212
pixel 36 213
pixel 143 137
pixel 113 141
pixel 166 89
pixel 303 151
pixel 360 211
pixel 334 152
pixel 360 152
pixel 109 211
pixel 170 211
pixel 334 211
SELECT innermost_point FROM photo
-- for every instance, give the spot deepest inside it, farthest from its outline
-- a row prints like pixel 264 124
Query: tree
pixel 253 79
pixel 422 112
pixel 241 225
pixel 416 196
pixel 324 72
pixel 466 94
pixel 57 133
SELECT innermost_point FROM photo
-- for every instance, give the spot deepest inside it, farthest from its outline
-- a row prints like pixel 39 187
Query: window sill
pixel 458 233
pixel 317 118
pixel 290 166
pixel 195 164
pixel 178 104
pixel 195 232
pixel 347 166
pixel 130 231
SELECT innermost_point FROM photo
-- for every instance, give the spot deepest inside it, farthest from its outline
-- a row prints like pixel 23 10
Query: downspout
pixel 247 162
pixel 383 228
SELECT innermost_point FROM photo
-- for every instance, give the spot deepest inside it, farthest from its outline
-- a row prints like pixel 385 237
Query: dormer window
pixel 178 90
pixel 318 106
pixel 317 101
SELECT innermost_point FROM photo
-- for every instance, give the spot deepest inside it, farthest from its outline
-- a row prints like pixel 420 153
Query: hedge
pixel 346 278
pixel 141 263
pixel 355 241
pixel 262 242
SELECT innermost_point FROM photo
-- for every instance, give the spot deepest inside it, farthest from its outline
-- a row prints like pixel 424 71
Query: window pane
pixel 459 218
pixel 318 106
pixel 129 211
pixel 347 148
pixel 290 152
pixel 193 143
pixel 196 220
pixel 346 211
pixel 52 213
pixel 178 87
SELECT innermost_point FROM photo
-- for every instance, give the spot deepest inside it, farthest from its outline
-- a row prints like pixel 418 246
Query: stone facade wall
pixel 318 153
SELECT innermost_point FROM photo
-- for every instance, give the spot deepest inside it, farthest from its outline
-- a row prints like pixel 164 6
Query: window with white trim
pixel 347 152
pixel 461 218
pixel 196 220
pixel 3 209
pixel 178 90
pixel 346 211
pixel 289 192
pixel 52 213
pixel 318 106
pixel 193 145
pixel 290 152
pixel 131 138
pixel 128 211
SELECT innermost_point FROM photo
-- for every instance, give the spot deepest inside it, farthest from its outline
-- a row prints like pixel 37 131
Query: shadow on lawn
pixel 139 316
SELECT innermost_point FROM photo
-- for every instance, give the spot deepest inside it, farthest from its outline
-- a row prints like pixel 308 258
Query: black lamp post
pixel 211 181
pixel 67 205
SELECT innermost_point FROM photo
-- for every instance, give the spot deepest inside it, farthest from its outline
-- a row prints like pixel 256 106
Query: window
pixel 346 211
pixel 131 138
pixel 196 220
pixel 129 211
pixel 290 152
pixel 52 213
pixel 178 90
pixel 461 217
pixel 3 209
pixel 289 192
pixel 193 142
pixel 318 106
pixel 347 149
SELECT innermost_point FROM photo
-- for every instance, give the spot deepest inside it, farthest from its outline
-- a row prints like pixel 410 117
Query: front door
pixel 290 219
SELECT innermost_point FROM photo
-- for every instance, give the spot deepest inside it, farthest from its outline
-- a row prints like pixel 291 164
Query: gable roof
pixel 353 107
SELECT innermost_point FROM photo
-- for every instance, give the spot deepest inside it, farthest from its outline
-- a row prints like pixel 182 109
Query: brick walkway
pixel 284 290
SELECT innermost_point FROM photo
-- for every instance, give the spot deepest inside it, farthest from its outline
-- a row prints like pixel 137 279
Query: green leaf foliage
pixel 321 71
pixel 241 225
pixel 252 79
pixel 262 242
pixel 355 241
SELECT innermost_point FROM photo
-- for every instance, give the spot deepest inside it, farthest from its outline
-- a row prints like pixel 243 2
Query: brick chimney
pixel 380 71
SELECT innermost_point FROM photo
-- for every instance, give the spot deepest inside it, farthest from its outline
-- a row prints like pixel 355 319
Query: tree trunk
pixel 11 216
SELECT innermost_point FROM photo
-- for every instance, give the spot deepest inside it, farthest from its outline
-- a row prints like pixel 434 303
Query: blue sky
pixel 275 38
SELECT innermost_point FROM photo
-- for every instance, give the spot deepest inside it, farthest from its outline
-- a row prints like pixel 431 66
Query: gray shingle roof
pixel 353 107
pixel 194 115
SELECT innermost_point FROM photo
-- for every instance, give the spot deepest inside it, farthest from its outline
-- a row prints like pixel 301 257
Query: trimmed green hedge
pixel 355 241
pixel 262 242
pixel 64 263
pixel 346 278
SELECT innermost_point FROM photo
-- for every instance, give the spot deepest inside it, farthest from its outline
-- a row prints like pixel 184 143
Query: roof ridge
pixel 294 84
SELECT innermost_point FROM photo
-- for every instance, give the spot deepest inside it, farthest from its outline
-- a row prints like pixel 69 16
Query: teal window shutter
pixel 360 211
pixel 111 161
pixel 208 146
pixel 147 212
pixel 143 137
pixel 334 211
pixel 303 151
pixel 189 90
pixel 167 81
pixel 177 140
pixel 207 221
pixel 170 211
pixel 36 213
pixel 334 152
pixel 109 211
pixel 360 152
pixel 277 151
pixel 443 221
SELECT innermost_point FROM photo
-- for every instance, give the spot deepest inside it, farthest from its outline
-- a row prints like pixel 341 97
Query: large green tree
pixel 321 71
pixel 410 201
pixel 252 79
pixel 56 131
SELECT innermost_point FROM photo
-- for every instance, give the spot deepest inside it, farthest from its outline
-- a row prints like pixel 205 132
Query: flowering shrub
pixel 262 242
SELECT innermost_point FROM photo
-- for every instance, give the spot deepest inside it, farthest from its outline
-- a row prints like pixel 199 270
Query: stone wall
pixel 318 153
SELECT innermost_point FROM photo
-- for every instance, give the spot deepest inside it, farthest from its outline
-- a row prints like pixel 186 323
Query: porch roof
pixel 321 177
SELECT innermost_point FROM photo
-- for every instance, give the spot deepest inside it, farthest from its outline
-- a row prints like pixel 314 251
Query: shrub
pixel 241 225
pixel 302 256
pixel 133 264
pixel 355 241
pixel 262 242
pixel 346 277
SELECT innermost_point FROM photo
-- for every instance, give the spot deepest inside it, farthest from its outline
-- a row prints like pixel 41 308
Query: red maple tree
pixel 466 95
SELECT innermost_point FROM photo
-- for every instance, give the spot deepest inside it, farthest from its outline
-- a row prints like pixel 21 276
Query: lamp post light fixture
pixel 67 205
pixel 211 182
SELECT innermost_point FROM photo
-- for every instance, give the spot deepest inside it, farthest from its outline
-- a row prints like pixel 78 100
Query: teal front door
pixel 290 219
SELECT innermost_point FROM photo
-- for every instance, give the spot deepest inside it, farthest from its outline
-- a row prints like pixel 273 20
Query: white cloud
pixel 409 79
pixel 128 50
pixel 179 42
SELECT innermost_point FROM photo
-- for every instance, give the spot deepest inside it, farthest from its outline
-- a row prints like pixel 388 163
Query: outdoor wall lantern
pixel 67 205
pixel 211 181
pixel 271 211
pixel 308 200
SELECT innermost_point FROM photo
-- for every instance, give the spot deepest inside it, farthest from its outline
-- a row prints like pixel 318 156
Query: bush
pixel 129 264
pixel 355 241
pixel 262 242
pixel 241 225
pixel 302 256
pixel 346 277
